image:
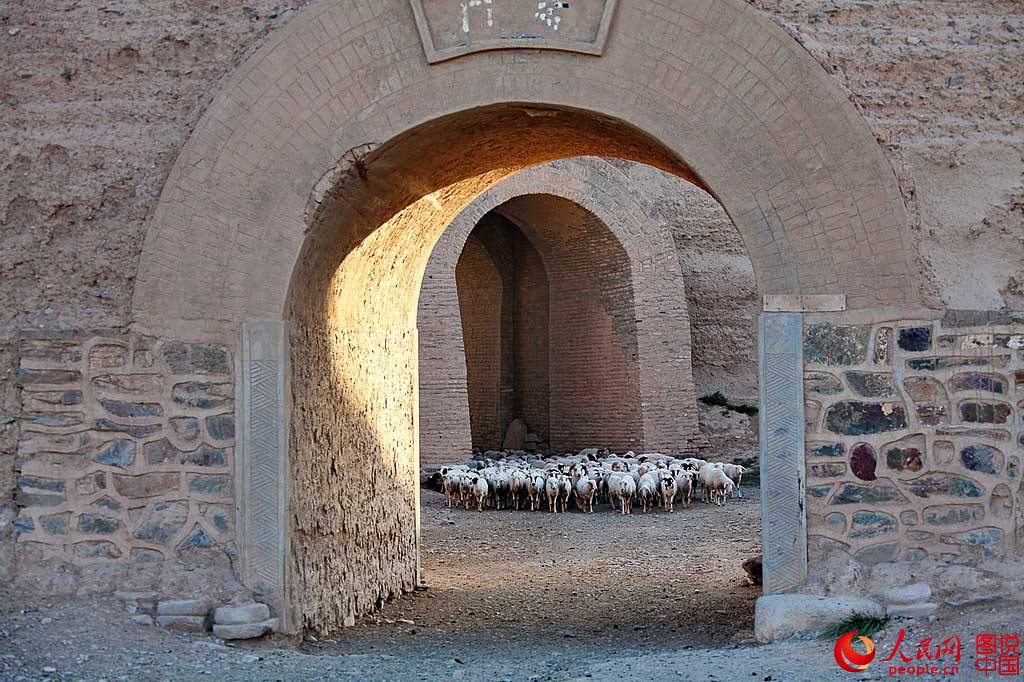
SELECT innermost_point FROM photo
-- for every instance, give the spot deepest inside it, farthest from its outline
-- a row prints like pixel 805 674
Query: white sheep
pixel 647 490
pixel 480 491
pixel 684 486
pixel 553 488
pixel 735 473
pixel 586 488
pixel 565 492
pixel 667 488
pixel 621 487
pixel 518 486
pixel 717 486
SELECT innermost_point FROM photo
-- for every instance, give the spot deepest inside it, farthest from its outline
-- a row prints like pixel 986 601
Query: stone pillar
pixel 783 513
pixel 260 471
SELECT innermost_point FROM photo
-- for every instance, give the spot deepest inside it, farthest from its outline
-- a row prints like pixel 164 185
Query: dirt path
pixel 656 580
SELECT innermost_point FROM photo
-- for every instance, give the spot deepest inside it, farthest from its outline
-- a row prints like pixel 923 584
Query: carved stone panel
pixel 452 29
pixel 783 514
pixel 260 474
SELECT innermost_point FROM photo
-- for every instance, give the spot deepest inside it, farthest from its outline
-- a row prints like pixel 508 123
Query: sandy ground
pixel 657 579
pixel 513 596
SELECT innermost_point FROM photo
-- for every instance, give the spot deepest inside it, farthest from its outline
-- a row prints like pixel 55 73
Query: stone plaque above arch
pixel 452 29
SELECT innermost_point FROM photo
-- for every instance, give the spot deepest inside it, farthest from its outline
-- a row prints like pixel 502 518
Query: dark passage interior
pixel 548 321
pixel 503 302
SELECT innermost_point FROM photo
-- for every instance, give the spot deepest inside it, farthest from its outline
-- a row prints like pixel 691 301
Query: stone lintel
pixel 804 303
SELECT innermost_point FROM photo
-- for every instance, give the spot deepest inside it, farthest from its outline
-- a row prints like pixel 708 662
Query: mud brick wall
pixel 914 439
pixel 124 460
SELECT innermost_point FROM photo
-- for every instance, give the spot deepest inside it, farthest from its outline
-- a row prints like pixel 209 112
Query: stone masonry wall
pixel 124 462
pixel 914 439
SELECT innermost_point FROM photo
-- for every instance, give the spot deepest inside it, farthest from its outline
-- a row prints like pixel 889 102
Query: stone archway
pixel 318 180
pixel 666 387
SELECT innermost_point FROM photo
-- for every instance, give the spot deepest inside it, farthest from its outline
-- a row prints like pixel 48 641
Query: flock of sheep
pixel 620 480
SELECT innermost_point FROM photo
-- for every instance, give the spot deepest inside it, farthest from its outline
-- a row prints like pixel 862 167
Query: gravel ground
pixel 513 596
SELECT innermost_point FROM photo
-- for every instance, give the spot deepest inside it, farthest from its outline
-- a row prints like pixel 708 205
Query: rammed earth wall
pixel 914 439
pixel 124 459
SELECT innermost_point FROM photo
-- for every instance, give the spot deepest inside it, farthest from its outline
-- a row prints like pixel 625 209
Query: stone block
pixel 819 449
pixel 915 339
pixel 912 610
pixel 972 381
pixel 118 453
pixel 182 623
pixel 128 384
pixel 100 525
pixel 56 524
pixel 953 514
pixel 145 485
pixel 936 364
pixel 107 356
pixel 871 384
pixel 183 607
pixel 186 428
pixel 196 358
pixel 37 491
pixel 870 524
pixel 97 549
pixel 163 451
pixel 133 431
pixel 162 522
pixel 836 345
pixel 906 454
pixel 197 539
pixel 822 383
pixel 877 554
pixel 54 419
pixel 120 408
pixel 982 458
pixel 863 462
pixel 246 630
pixel 914 593
pixel 209 484
pixel 803 303
pixel 202 395
pixel 979 412
pixel 943 484
pixel 29 377
pixel 221 426
pixel 144 555
pixel 780 616
pixel 853 418
pixel 142 619
pixel 241 613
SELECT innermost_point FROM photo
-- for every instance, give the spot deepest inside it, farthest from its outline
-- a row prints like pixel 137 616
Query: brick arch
pixel 321 175
pixel 668 420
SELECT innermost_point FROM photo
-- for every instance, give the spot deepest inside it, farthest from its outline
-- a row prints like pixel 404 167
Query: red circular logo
pixel 851 660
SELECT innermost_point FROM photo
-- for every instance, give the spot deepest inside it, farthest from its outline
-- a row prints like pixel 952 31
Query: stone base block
pixel 781 616
pixel 908 594
pixel 241 614
pixel 922 610
pixel 182 623
pixel 246 630
pixel 182 607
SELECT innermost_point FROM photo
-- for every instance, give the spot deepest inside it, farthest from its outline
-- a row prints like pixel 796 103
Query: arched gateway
pixel 317 182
